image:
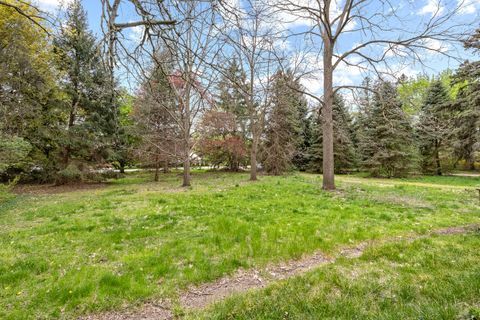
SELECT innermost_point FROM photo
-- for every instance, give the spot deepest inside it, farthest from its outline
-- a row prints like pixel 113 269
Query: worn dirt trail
pixel 196 298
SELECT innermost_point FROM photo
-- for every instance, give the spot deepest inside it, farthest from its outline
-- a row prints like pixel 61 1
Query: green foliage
pixel 13 153
pixel 89 105
pixel 433 129
pixel 411 93
pixel 387 143
pixel 29 96
pixel 5 191
pixel 301 156
pixel 232 88
pixel 70 174
pixel 466 107
pixel 125 137
pixel 343 135
pixel 283 130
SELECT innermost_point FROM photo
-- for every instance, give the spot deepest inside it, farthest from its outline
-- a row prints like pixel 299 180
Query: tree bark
pixel 253 157
pixel 156 168
pixel 165 166
pixel 186 172
pixel 327 116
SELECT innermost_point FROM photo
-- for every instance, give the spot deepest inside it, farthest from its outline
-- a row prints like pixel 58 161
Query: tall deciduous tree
pixel 249 32
pixel 344 150
pixel 330 26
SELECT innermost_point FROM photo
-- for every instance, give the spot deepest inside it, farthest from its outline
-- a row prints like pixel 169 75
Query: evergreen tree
pixel 301 157
pixel 433 128
pixel 466 107
pixel 344 151
pixel 231 98
pixel 283 131
pixel 387 144
pixel 360 119
pixel 90 110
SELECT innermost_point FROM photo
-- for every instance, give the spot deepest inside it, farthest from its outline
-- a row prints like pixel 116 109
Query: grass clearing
pixel 75 253
pixel 434 278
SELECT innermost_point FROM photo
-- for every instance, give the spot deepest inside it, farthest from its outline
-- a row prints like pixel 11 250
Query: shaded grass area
pixel 433 278
pixel 80 252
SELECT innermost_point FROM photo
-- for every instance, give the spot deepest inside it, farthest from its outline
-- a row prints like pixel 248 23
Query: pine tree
pixel 282 133
pixel 466 107
pixel 433 128
pixel 301 157
pixel 344 151
pixel 387 144
pixel 231 98
pixel 360 117
pixel 85 82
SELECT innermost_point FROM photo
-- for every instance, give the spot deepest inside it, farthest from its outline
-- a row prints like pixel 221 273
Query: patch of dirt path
pixel 196 298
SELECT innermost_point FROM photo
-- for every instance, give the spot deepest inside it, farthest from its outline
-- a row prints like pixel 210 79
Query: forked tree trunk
pixel 327 116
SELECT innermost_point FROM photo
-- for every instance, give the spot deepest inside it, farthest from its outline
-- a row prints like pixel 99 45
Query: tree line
pixel 63 119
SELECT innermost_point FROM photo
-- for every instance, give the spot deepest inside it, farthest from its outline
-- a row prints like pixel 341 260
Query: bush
pixel 13 153
pixel 71 174
pixel 5 190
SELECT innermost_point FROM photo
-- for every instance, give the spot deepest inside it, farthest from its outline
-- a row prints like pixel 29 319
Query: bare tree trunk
pixel 165 166
pixel 327 116
pixel 253 157
pixel 122 166
pixel 156 170
pixel 186 172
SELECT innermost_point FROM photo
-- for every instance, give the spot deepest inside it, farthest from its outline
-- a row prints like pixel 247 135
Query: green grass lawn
pixel 436 278
pixel 68 254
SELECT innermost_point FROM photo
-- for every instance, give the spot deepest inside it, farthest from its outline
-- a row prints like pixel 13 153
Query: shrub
pixel 5 190
pixel 71 174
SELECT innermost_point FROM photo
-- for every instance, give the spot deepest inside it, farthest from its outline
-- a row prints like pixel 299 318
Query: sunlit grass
pixel 73 253
pixel 436 278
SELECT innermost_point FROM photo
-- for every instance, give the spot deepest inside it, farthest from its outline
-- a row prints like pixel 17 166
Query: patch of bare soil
pixel 148 311
pixel 39 189
pixel 196 298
